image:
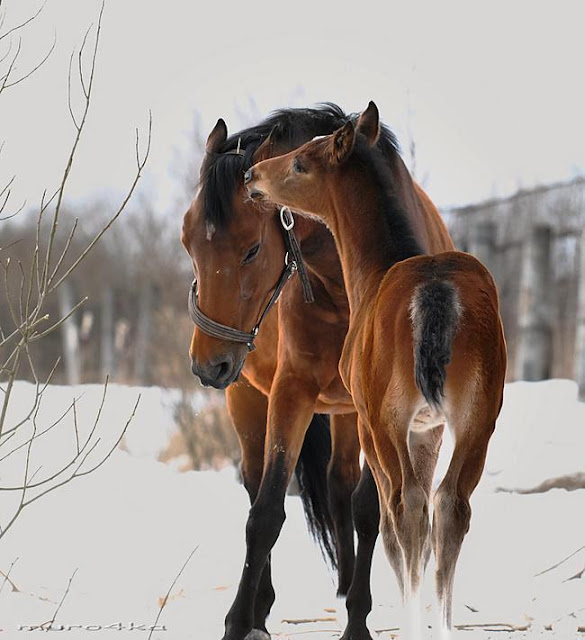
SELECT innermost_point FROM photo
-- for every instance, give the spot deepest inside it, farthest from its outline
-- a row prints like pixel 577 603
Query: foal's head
pixel 306 178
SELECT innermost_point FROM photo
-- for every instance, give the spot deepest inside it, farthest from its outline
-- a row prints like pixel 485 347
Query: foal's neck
pixel 371 229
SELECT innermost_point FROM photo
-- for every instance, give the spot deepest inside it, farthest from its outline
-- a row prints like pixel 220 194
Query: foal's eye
pixel 297 166
pixel 252 253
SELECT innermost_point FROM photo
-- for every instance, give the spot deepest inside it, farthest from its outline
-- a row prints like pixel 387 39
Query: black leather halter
pixel 293 262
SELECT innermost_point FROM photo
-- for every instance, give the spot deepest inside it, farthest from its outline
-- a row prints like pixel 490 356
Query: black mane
pixel 402 243
pixel 222 173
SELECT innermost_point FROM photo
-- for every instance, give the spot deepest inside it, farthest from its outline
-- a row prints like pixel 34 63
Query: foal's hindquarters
pixel 427 349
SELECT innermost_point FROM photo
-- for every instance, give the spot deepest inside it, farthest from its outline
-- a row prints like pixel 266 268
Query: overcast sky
pixel 491 92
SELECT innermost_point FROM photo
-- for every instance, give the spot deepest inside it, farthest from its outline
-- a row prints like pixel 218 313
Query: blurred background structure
pixel 534 245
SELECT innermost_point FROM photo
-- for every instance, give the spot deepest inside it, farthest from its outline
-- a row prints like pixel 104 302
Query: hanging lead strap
pixel 294 250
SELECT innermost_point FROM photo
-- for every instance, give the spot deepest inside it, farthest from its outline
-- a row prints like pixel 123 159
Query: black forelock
pixel 290 128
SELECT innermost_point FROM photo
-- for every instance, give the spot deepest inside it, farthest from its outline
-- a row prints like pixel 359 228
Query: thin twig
pixel 28 74
pixel 558 564
pixel 66 317
pixel 18 27
pixel 49 624
pixel 166 598
pixel 7 578
pixel 97 237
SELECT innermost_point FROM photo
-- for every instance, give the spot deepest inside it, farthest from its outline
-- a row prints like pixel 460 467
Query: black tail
pixel 435 312
pixel 311 473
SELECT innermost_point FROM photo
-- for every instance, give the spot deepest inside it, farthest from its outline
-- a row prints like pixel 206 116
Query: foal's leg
pixel 248 409
pixel 452 512
pixel 290 408
pixel 424 452
pixel 384 490
pixel 408 502
pixel 343 475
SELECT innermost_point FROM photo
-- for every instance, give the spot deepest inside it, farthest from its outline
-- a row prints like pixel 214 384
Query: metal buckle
pixel 287 224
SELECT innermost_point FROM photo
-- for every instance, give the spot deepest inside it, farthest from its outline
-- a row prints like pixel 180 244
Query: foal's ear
pixel 265 150
pixel 342 142
pixel 217 137
pixel 369 123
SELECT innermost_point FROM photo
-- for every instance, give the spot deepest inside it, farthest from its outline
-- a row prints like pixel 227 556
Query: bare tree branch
pixel 20 26
pixel 28 74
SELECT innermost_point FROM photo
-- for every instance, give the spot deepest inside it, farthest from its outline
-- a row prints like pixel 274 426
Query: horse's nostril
pixel 247 176
pixel 223 370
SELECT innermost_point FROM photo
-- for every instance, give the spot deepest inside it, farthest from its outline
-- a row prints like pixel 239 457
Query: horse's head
pixel 237 255
pixel 301 179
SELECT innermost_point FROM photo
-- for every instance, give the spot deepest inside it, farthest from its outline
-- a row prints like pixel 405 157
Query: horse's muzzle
pixel 219 373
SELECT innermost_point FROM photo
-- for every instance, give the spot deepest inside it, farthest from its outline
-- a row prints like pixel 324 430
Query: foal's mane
pixel 222 172
pixel 401 242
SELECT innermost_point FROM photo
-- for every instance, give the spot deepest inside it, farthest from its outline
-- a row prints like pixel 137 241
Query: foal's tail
pixel 435 311
pixel 311 473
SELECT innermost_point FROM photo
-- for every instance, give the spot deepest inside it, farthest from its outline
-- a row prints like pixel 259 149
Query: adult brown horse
pixel 425 343
pixel 238 255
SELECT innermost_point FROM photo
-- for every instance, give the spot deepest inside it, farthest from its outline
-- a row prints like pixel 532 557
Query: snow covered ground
pixel 126 530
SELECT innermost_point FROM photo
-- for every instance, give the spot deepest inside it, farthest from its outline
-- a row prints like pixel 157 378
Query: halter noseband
pixel 293 261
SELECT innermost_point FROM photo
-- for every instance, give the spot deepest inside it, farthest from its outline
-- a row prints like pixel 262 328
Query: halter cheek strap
pixel 222 331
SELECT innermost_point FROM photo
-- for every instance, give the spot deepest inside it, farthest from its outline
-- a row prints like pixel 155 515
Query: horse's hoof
pixel 356 634
pixel 257 634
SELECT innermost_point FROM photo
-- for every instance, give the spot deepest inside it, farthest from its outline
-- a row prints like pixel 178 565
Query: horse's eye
pixel 297 166
pixel 252 253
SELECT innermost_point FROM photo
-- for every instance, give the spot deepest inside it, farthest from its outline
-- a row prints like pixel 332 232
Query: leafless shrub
pixel 44 276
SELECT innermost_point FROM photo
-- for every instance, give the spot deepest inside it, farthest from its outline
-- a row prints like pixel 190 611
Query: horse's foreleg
pixel 343 475
pixel 290 408
pixel 366 517
pixel 248 409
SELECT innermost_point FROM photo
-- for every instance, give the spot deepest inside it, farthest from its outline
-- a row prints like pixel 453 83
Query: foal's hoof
pixel 258 634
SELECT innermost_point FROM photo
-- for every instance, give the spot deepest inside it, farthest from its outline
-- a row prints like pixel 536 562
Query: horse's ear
pixel 342 142
pixel 369 123
pixel 217 137
pixel 265 150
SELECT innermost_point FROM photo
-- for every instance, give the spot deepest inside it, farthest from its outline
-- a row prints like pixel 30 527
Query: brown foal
pixel 425 343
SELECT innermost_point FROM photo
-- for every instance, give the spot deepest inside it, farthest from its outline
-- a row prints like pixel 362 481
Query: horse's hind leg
pixel 343 475
pixel 248 408
pixel 452 511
